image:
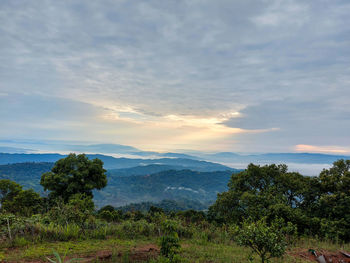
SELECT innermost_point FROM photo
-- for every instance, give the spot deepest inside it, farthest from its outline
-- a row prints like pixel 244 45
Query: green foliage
pixel 8 191
pixel 166 206
pixel 74 174
pixel 170 241
pixel 17 201
pixel 62 260
pixel 335 200
pixel 317 205
pixel 77 210
pixel 192 216
pixel 25 203
pixel 13 228
pixel 264 240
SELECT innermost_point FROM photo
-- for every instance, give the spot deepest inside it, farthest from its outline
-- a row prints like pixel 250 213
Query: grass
pixel 222 253
pixel 73 248
pixel 205 245
pixel 322 245
pixel 193 250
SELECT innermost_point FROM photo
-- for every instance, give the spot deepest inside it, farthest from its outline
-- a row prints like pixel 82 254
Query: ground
pixel 143 250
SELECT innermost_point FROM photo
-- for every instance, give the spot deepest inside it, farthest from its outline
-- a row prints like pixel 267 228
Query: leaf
pixel 52 261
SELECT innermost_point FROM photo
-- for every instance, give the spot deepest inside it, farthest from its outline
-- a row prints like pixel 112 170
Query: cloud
pixel 158 66
pixel 322 149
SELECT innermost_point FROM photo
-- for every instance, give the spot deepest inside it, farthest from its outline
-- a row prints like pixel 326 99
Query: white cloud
pixel 322 149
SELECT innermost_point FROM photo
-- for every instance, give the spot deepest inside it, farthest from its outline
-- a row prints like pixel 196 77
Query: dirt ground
pixel 137 254
pixel 329 257
pixel 149 251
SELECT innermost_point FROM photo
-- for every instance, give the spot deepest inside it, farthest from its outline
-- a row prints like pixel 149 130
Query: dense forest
pixel 153 183
pixel 266 209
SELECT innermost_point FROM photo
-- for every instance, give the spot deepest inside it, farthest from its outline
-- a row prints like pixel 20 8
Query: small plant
pixel 170 242
pixel 62 260
pixel 268 241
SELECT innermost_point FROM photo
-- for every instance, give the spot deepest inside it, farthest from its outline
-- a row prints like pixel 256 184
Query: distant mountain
pixel 116 163
pixel 169 154
pixel 306 158
pixel 144 170
pixel 156 168
pixel 9 158
pixel 7 149
pixel 103 148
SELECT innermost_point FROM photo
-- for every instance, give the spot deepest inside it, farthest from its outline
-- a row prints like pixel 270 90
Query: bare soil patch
pixel 322 256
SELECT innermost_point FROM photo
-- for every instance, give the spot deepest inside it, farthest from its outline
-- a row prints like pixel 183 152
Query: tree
pixel 268 241
pixel 8 190
pixel 269 191
pixel 25 203
pixel 17 201
pixel 317 205
pixel 253 191
pixel 72 175
pixel 335 200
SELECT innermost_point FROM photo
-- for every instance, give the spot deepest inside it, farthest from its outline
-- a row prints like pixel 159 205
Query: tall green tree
pixel 8 190
pixel 255 190
pixel 17 201
pixel 335 199
pixel 25 203
pixel 75 174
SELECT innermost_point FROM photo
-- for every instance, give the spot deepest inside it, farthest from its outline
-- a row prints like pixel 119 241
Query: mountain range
pixel 134 153
pixel 151 176
pixel 116 163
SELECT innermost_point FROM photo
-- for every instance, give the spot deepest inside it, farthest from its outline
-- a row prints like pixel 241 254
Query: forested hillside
pixel 26 174
pixel 200 186
pixel 166 205
pixel 137 184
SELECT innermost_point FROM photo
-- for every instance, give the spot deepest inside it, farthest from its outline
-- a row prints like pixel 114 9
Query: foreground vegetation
pixel 266 215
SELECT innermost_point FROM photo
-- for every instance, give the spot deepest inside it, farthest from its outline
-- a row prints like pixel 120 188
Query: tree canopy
pixel 317 205
pixel 8 190
pixel 74 174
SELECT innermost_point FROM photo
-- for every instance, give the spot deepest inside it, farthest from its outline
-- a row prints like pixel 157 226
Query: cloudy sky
pixel 241 76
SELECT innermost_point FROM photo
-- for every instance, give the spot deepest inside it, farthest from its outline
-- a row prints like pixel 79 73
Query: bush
pixel 77 211
pixel 170 242
pixel 264 240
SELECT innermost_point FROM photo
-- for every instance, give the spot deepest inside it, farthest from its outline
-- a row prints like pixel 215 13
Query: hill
pixel 115 163
pixel 133 185
pixel 153 168
pixel 166 205
pixel 173 185
pixel 26 174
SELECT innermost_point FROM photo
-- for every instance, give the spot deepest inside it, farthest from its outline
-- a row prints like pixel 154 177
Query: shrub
pixel 170 242
pixel 77 211
pixel 264 240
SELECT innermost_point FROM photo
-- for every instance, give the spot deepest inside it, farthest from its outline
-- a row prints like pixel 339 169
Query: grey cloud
pixel 200 58
pixel 296 122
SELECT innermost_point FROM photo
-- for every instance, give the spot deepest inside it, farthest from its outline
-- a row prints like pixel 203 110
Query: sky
pixel 241 76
